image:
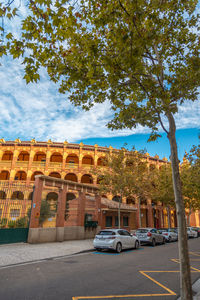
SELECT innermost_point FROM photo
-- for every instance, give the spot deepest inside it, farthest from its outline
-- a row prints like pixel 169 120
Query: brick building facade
pixel 21 161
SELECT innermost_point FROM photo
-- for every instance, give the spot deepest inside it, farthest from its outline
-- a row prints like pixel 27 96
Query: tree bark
pixel 168 217
pixel 185 277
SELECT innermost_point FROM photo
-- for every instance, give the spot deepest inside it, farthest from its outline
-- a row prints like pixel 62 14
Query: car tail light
pixel 149 234
pixel 133 234
pixel 165 233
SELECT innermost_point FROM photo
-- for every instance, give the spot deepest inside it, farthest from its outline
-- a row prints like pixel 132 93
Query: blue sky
pixel 39 111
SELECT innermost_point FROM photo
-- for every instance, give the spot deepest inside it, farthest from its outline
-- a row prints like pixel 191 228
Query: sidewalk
pixel 23 252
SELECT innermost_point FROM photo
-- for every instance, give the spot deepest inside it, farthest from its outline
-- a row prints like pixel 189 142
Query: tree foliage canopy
pixel 124 174
pixel 143 55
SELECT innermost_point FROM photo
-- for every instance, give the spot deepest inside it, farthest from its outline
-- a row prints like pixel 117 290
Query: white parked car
pixel 150 236
pixel 169 234
pixel 192 233
pixel 115 239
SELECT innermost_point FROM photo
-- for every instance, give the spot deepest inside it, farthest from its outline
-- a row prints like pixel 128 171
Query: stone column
pixel 95 155
pixel 37 198
pixel 138 215
pixel 98 209
pixel 81 209
pixel 150 215
pixel 60 218
pixel 33 235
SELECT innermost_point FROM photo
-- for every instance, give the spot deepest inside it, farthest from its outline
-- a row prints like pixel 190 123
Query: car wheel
pixel 119 247
pixel 153 243
pixel 164 241
pixel 169 239
pixel 137 244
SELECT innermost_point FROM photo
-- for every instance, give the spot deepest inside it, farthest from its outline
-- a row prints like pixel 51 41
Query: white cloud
pixel 39 111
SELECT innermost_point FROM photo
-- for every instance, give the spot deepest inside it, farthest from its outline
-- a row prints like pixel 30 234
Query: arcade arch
pixel 39 156
pixel 17 195
pixel 88 160
pixel 8 155
pixel 2 195
pixel 56 157
pixel 72 177
pixel 72 159
pixel 34 174
pixel 20 175
pixel 87 178
pixel 23 156
pixel 4 175
pixel 55 174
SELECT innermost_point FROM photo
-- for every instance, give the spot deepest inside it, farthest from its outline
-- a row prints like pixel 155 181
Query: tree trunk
pixel 139 207
pixel 185 278
pixel 119 214
pixel 168 217
pixel 189 215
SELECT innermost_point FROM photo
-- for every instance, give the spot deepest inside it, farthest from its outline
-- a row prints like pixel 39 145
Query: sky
pixel 39 111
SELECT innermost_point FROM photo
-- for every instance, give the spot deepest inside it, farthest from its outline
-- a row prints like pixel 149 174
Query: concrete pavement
pixel 19 253
pixel 22 252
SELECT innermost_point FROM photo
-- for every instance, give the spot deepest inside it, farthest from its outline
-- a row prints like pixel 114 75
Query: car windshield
pixel 141 231
pixel 106 233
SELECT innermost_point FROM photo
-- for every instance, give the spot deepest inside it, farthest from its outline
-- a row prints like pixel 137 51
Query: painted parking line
pixel 195 253
pixel 144 273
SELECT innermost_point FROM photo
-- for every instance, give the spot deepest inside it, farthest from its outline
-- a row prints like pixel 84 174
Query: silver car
pixel 150 236
pixel 191 233
pixel 115 239
pixel 169 234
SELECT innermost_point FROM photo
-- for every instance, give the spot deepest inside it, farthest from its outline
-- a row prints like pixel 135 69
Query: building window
pixel 108 221
pixel 125 221
pixel 116 221
pixel 14 213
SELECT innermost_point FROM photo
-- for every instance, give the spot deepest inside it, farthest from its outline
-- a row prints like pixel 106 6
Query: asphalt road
pixel 146 273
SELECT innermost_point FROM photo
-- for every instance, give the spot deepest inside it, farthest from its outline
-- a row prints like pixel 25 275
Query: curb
pixel 195 289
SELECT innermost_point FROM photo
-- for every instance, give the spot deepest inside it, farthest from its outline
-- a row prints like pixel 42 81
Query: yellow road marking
pixel 195 253
pixel 158 283
pixel 170 292
pixel 120 296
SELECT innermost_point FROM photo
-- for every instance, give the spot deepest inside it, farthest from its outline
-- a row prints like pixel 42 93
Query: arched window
pixel 2 195
pixel 30 196
pixel 72 177
pixel 56 157
pixel 87 160
pixel 69 197
pixel 87 178
pixel 55 175
pixel 20 175
pixel 130 200
pixel 8 155
pixel 117 198
pixel 101 161
pixel 23 156
pixel 34 174
pixel 52 199
pixel 17 195
pixel 72 159
pixel 4 175
pixel 40 156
